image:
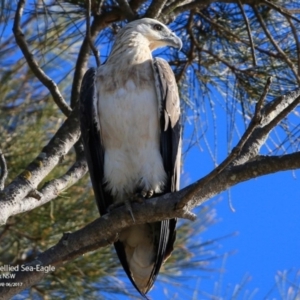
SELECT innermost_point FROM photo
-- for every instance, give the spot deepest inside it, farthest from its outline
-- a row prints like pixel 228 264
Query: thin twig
pixel 276 46
pixel 296 37
pixel 190 55
pixel 32 63
pixel 5 230
pixel 88 34
pixel 194 42
pixel 235 151
pixel 155 8
pixel 169 8
pixel 225 32
pixel 173 10
pixel 281 10
pixel 99 6
pixel 4 171
pixel 257 113
pixel 249 33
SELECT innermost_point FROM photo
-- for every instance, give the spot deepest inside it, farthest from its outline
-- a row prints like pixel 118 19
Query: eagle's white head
pixel 156 33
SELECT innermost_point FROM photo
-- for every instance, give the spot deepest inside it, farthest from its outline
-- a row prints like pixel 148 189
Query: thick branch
pixel 49 192
pixel 32 63
pixel 233 175
pixel 104 230
pixel 13 195
pixel 272 114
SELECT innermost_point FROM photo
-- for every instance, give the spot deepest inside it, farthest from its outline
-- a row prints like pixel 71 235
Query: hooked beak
pixel 174 41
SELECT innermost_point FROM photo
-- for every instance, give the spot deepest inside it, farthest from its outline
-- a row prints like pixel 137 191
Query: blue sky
pixel 267 220
pixel 266 244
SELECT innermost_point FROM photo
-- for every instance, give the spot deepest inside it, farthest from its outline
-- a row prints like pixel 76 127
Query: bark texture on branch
pixel 11 198
pixel 104 230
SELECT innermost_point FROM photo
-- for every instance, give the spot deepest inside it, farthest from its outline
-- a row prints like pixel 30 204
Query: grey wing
pixel 91 138
pixel 170 148
pixel 170 138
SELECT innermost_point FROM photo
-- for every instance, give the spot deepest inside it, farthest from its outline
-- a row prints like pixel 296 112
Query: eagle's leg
pixel 128 207
pixel 124 201
pixel 138 196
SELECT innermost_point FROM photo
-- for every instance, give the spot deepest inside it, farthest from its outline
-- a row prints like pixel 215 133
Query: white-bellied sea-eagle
pixel 130 123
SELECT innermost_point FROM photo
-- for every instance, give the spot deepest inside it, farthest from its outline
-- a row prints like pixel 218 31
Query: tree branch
pixel 32 63
pixel 88 33
pixel 297 42
pixel 276 46
pixel 11 198
pixel 280 9
pixel 249 32
pixel 272 114
pixel 175 9
pixel 222 30
pixel 104 230
pixel 236 151
pixel 155 8
pixel 48 192
pixel 4 172
pixel 233 175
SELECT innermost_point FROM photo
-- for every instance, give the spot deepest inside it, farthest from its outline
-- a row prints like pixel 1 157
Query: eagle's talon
pixel 150 193
pixel 113 239
pixel 147 194
pixel 128 207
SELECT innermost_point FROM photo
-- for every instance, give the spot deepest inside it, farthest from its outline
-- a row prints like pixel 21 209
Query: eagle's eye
pixel 158 27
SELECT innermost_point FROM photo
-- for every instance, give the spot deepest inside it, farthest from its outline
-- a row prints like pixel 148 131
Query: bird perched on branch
pixel 130 123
